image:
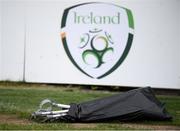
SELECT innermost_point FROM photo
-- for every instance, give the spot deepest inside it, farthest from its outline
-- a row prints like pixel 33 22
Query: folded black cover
pixel 137 104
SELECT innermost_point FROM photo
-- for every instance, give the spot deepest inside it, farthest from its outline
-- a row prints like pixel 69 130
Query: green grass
pixel 21 100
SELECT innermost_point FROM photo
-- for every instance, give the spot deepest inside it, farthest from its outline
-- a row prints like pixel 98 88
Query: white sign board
pixel 0 39
pixel 123 43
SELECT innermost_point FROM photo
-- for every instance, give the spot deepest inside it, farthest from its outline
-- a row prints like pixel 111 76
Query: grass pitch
pixel 18 101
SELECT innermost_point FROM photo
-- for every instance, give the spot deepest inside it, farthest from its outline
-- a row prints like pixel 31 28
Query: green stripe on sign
pixel 70 56
pixel 122 58
pixel 130 18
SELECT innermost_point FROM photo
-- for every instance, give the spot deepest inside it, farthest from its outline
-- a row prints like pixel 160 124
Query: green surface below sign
pixel 18 101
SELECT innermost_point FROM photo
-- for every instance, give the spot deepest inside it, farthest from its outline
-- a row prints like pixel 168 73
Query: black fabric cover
pixel 137 104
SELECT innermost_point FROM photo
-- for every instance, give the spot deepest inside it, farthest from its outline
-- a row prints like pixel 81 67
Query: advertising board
pixel 117 43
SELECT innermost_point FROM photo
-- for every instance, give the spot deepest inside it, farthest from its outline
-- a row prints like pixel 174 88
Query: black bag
pixel 137 104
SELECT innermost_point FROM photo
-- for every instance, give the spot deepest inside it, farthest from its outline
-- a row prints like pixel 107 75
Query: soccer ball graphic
pixel 97 46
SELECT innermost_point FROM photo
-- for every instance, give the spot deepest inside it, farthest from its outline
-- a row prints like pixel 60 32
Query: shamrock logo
pixel 96 40
pixel 100 43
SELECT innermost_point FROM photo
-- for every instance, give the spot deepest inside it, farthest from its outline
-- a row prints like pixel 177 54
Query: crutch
pixel 48 113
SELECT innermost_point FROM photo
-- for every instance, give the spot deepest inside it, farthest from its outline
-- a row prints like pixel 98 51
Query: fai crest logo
pixel 97 37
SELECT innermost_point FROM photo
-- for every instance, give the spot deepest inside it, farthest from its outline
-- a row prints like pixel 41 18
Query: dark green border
pixel 122 58
pixel 71 58
pixel 66 11
pixel 126 50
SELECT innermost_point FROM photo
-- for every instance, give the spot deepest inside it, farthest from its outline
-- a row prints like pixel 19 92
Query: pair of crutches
pixel 50 110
